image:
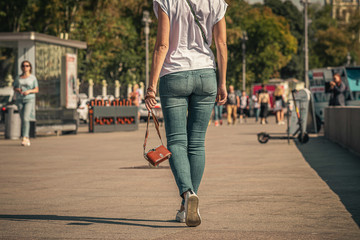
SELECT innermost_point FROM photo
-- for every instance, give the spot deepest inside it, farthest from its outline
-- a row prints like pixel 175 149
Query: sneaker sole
pixel 180 220
pixel 192 217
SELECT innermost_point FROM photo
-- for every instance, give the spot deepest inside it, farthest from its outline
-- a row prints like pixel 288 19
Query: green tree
pixel 235 25
pixel 353 30
pixel 11 15
pixel 116 44
pixel 329 41
pixel 46 16
pixel 270 45
pixel 331 46
pixel 286 9
pixel 112 29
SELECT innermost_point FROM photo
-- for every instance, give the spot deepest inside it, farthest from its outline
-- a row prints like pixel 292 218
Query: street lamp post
pixel 244 39
pixel 306 47
pixel 147 20
pixel 348 57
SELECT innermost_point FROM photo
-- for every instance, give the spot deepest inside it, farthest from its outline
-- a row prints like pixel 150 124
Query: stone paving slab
pixel 98 186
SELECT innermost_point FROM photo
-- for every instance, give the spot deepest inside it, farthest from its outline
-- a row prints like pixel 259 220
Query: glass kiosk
pixel 54 62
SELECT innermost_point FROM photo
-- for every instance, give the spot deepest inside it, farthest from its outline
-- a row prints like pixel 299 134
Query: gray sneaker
pixel 192 215
pixel 180 216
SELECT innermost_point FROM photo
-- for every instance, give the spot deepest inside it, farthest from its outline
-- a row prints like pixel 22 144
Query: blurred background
pixel 113 31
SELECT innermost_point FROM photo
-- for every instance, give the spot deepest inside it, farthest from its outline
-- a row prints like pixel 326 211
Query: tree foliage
pixel 112 29
pixel 114 32
pixel 286 9
pixel 269 47
pixel 331 41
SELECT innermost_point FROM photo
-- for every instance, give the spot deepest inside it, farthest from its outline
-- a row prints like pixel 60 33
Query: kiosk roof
pixel 10 38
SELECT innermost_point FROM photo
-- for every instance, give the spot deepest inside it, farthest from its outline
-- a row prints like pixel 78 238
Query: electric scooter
pixel 302 136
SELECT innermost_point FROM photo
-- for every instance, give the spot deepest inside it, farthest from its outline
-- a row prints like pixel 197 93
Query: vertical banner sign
pixel 71 76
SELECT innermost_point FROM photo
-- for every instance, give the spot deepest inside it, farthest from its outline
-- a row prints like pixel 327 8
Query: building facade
pixel 343 9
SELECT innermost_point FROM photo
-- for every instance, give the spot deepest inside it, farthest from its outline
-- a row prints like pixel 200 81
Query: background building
pixel 343 9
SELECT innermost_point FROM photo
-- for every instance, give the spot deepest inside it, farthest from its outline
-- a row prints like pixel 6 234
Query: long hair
pixel 22 67
pixel 337 75
pixel 278 91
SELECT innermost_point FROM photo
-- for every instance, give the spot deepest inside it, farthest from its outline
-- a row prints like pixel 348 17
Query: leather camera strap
pixel 156 123
pixel 197 22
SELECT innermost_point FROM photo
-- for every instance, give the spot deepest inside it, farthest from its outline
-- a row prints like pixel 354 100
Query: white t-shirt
pixel 187 48
pixel 256 101
pixel 243 101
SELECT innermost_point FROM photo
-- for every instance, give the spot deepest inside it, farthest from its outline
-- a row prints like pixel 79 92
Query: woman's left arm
pixel 34 90
pixel 341 88
pixel 160 51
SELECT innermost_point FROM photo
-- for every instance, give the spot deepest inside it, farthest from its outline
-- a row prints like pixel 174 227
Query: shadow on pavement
pixel 90 220
pixel 339 168
pixel 147 167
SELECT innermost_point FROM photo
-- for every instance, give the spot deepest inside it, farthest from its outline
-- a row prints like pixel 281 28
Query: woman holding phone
pixel 25 87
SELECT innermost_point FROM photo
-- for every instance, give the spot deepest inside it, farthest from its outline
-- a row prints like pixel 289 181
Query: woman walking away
pixel 256 106
pixel 233 102
pixel 264 100
pixel 188 88
pixel 278 106
pixel 218 109
pixel 135 98
pixel 244 106
pixel 25 87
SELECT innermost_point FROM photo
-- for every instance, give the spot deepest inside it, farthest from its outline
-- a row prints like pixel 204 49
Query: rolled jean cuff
pixel 184 191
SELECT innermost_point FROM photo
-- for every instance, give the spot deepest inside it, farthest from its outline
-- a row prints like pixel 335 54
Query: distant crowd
pixel 241 106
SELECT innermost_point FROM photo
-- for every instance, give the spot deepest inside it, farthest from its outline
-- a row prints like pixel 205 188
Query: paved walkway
pixel 98 186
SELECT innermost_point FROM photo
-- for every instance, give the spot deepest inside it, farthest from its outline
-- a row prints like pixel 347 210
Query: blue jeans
pixel 187 99
pixel 218 112
pixel 257 113
pixel 26 109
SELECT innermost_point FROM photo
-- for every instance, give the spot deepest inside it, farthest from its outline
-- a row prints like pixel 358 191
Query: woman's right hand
pixel 18 90
pixel 221 95
pixel 150 100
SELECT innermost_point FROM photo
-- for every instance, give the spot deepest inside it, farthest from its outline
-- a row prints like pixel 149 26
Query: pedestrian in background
pixel 188 88
pixel 25 87
pixel 244 106
pixel 256 105
pixel 140 93
pixel 264 100
pixel 218 109
pixel 135 97
pixel 337 89
pixel 279 105
pixel 233 102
